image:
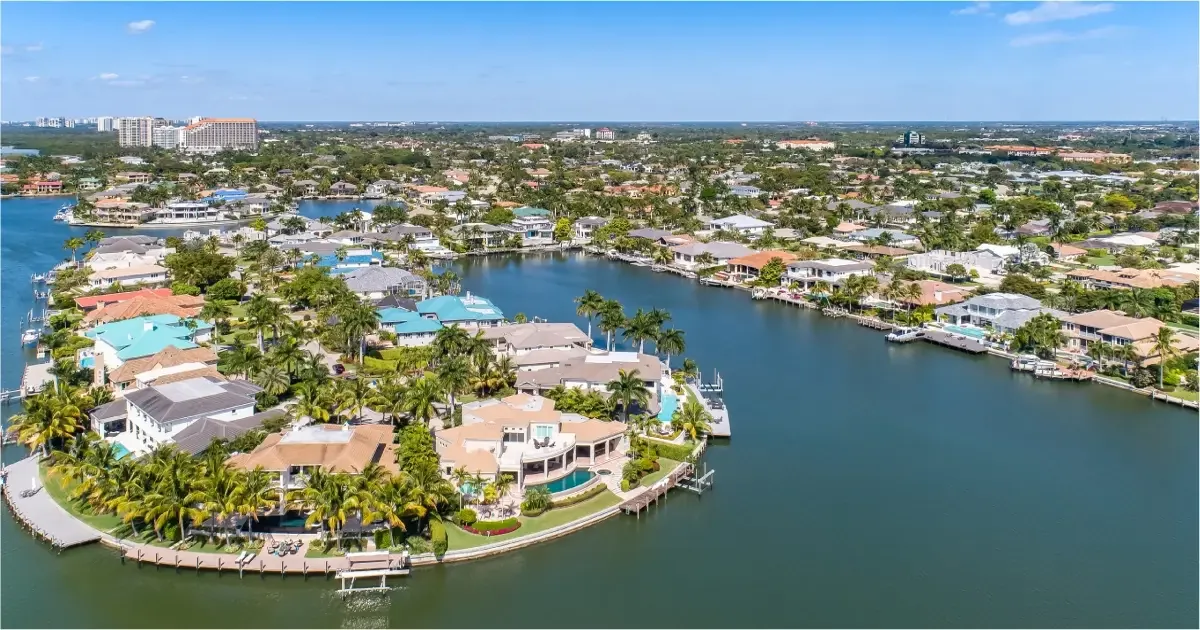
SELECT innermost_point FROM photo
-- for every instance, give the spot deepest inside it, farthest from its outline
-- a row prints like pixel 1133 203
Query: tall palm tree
pixel 390 399
pixel 333 501
pixel 176 493
pixel 264 315
pixel 612 319
pixel 502 484
pixel 1164 345
pixel 287 355
pixel 423 394
pixel 694 418
pixel 639 328
pixel 451 341
pixel 454 375
pixel 312 401
pixel 356 322
pixel 670 341
pixel 255 494
pixel 73 244
pixel 590 305
pixel 217 311
pixel 628 389
pixel 353 394
pixel 1137 302
pixel 272 378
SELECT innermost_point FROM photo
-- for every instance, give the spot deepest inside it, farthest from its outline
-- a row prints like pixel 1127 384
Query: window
pixel 543 431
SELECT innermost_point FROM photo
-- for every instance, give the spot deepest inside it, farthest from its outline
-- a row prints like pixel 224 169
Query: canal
pixel 866 484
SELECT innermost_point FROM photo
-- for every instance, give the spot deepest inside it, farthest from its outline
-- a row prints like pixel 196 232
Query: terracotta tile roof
pixel 758 260
pixel 92 301
pixel 167 357
pixel 207 371
pixel 323 446
pixel 177 305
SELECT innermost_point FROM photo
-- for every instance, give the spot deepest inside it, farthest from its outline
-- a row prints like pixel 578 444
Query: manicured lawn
pixel 1103 261
pixel 461 539
pixel 1184 394
pixel 1182 326
pixel 60 490
pixel 665 466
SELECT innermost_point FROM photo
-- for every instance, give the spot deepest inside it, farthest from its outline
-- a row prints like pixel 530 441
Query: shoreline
pixel 1150 393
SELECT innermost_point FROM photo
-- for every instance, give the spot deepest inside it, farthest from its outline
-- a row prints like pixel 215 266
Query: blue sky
pixel 602 62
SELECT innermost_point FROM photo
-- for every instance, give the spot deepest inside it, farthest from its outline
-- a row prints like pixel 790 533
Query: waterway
pixel 866 484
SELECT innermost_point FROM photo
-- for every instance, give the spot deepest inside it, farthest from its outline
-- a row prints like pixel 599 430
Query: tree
pixel 956 272
pixel 312 401
pixel 563 231
pixel 670 341
pixel 273 379
pixel 1164 345
pixel 612 319
pixel 216 311
pixel 628 389
pixel 1137 302
pixel 772 272
pixel 225 289
pixel 1041 335
pixel 264 314
pixel 640 328
pixel 590 304
pixel 423 394
pixel 694 418
pixel 1020 283
pixel 73 244
pixel 195 265
pixel 254 493
pixel 454 375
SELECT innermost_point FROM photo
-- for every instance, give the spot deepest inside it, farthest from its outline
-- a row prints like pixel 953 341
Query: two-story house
pixel 832 271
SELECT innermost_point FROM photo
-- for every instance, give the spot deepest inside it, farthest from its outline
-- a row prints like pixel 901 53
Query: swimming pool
pixel 87 362
pixel 974 333
pixel 574 480
pixel 669 403
pixel 119 450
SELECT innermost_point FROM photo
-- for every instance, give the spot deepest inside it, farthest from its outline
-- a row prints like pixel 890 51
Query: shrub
pixel 595 490
pixel 625 485
pixel 466 516
pixel 531 512
pixel 677 452
pixel 383 538
pixel 437 532
pixel 537 499
pixel 494 528
pixel 226 289
pixel 183 288
pixel 1142 377
pixel 416 544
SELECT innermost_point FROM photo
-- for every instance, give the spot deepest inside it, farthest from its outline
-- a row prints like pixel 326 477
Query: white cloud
pixel 108 76
pixel 1054 11
pixel 141 26
pixel 974 9
pixel 32 79
pixel 1059 37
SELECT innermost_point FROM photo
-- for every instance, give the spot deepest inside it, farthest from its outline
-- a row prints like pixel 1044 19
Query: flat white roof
pixel 316 435
pixel 612 357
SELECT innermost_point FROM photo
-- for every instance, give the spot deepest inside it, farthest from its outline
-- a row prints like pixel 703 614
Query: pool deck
pixel 951 340
pixel 720 417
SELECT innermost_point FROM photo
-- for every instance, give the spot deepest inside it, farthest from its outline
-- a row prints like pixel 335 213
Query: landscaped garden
pixel 462 539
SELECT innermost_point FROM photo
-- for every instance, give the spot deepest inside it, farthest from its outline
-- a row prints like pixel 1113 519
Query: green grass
pixel 1103 261
pixel 1185 394
pixel 1182 326
pixel 332 549
pixel 665 466
pixel 461 539
pixel 60 490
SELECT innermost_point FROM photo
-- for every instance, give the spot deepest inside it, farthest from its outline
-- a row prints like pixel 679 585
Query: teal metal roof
pixel 144 336
pixel 452 308
pixel 530 211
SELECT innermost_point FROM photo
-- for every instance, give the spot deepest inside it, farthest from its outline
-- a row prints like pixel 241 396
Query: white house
pixel 741 223
pixel 139 274
pixel 833 271
pixel 159 412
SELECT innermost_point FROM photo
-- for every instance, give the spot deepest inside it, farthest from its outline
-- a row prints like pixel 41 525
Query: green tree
pixel 1164 345
pixel 589 305
pixel 772 272
pixel 563 232
pixel 628 389
pixel 73 244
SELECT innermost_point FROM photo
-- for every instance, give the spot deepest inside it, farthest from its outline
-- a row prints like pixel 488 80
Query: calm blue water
pixel 926 488
pixel 577 478
pixel 669 403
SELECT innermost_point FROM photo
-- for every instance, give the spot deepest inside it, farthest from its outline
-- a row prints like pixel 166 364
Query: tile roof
pixel 170 356
pixel 333 448
pixel 93 301
pixel 179 306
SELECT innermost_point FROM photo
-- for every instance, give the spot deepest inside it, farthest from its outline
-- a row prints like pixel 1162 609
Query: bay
pixel 866 484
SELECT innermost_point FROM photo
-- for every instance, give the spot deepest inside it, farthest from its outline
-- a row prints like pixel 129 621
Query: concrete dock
pixel 39 512
pixel 950 340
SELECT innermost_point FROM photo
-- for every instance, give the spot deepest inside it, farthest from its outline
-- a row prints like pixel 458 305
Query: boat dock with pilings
pixel 712 394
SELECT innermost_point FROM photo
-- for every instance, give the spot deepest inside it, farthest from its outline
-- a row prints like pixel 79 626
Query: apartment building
pixel 135 131
pixel 211 135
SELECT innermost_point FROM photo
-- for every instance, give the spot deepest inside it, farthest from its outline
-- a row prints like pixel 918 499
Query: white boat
pixel 903 335
pixel 29 337
pixel 38 277
pixel 758 294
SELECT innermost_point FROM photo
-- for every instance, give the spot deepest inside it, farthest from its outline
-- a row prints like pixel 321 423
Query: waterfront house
pixel 156 414
pixel 894 238
pixel 135 177
pixel 535 230
pixel 833 271
pixel 1002 312
pixel 748 226
pixel 483 235
pixel 1113 328
pixel 373 283
pixel 120 341
pixel 518 340
pixel 650 234
pixel 382 188
pixel 877 251
pixel 410 328
pixel 469 310
pixel 594 371
pixel 166 365
pixel 144 304
pixel 524 436
pixel 142 274
pixel 585 227
pixel 343 188
pixel 747 268
pixel 934 293
pixel 90 303
pixel 292 455
pixel 307 187
pixel 688 257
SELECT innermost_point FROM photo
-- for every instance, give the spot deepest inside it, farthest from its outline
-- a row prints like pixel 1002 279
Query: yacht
pixel 904 335
pixel 29 337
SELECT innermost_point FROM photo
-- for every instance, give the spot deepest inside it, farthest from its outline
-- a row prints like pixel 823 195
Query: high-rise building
pixel 135 131
pixel 912 138
pixel 195 119
pixel 105 123
pixel 211 135
pixel 167 137
pixel 69 123
pixel 604 133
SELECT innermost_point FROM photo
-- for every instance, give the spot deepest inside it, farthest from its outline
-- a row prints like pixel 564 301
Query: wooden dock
pixel 656 492
pixel 958 342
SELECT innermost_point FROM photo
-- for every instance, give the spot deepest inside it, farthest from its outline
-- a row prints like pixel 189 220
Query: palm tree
pixel 454 375
pixel 639 328
pixel 694 418
pixel 273 379
pixel 264 315
pixel 333 499
pixel 353 394
pixel 590 304
pixel 312 401
pixel 628 389
pixel 241 361
pixel 502 484
pixel 73 244
pixel 217 311
pixel 451 341
pixel 423 393
pixel 670 341
pixel 176 492
pixel 357 321
pixel 93 236
pixel 1137 302
pixel 390 399
pixel 612 318
pixel 1164 345
pixel 287 355
pixel 254 494
pixel 49 417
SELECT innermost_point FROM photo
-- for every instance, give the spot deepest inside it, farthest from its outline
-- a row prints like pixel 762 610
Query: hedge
pixel 437 532
pixel 467 516
pixel 677 452
pixel 494 528
pixel 595 490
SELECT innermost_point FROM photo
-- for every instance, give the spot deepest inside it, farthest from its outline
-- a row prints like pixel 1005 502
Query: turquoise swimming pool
pixel 119 450
pixel 974 333
pixel 87 362
pixel 670 402
pixel 574 480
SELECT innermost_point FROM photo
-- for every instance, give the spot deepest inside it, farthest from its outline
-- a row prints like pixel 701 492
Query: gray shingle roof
pixel 191 398
pixel 369 279
pixel 198 435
